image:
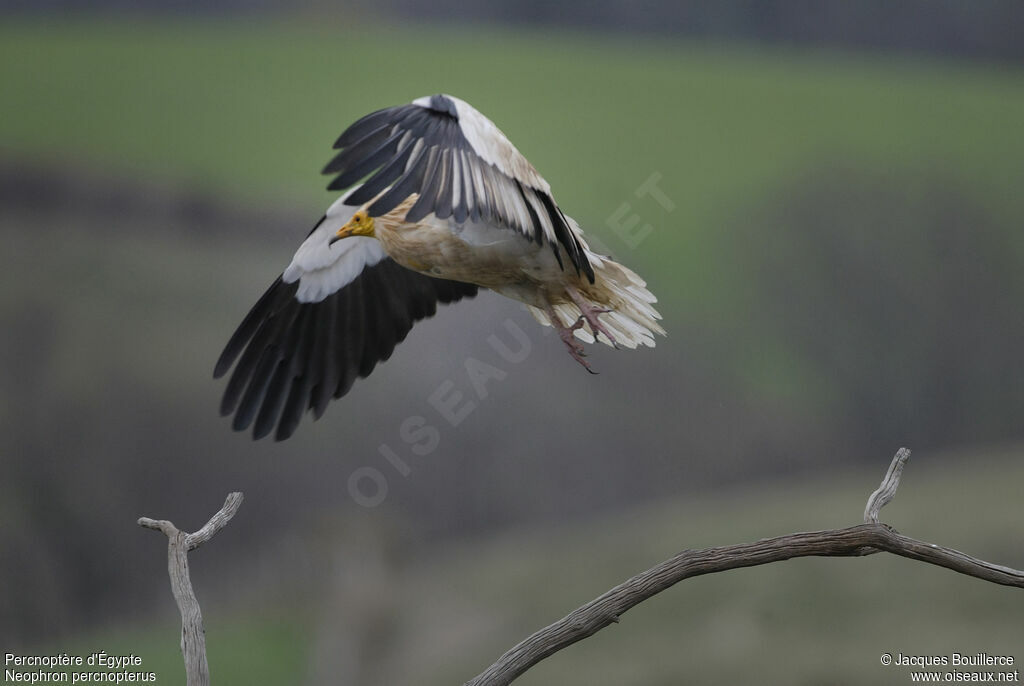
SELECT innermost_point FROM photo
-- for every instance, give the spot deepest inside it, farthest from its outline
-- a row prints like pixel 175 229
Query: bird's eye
pixel 357 219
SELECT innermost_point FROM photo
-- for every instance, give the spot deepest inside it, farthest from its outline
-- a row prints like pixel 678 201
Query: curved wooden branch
pixel 179 543
pixel 863 539
pixel 886 491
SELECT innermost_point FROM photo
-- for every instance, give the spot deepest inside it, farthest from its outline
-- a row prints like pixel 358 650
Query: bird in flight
pixel 446 205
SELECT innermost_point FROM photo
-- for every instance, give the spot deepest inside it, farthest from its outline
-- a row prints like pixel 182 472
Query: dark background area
pixel 984 29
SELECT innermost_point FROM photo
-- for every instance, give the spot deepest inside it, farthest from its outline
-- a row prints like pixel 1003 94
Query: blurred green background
pixel 840 267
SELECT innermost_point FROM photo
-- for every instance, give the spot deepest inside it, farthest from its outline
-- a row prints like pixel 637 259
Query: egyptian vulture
pixel 446 205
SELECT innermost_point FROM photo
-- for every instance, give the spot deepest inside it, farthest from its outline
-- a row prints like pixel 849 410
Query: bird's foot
pixel 590 313
pixel 571 343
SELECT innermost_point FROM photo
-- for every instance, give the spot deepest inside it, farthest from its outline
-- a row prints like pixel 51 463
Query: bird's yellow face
pixel 361 224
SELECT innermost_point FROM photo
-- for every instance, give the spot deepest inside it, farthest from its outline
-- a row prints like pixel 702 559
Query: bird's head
pixel 361 224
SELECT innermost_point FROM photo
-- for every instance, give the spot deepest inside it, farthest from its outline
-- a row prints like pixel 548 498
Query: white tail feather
pixel 633 321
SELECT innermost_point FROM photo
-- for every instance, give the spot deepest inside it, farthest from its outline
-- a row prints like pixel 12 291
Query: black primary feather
pixel 293 356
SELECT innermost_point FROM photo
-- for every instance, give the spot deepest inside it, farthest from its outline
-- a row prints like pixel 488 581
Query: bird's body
pixel 452 206
pixel 506 263
pixel 474 252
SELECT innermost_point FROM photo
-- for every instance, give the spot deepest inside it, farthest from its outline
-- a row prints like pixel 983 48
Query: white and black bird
pixel 447 205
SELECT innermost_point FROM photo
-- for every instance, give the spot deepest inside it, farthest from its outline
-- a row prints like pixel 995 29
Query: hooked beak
pixel 361 224
pixel 343 232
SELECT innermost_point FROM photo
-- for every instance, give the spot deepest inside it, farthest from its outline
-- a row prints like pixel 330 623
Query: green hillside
pixel 252 108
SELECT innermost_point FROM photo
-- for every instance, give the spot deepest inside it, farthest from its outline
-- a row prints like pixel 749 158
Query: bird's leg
pixel 590 313
pixel 565 333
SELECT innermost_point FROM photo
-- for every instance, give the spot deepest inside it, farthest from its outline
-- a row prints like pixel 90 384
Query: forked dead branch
pixel 179 543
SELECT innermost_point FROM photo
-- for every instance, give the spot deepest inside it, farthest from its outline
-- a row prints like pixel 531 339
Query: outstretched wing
pixel 329 319
pixel 459 164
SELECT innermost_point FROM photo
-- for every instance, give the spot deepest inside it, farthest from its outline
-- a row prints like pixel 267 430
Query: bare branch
pixel 856 540
pixel 158 525
pixel 193 635
pixel 887 490
pixel 217 521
